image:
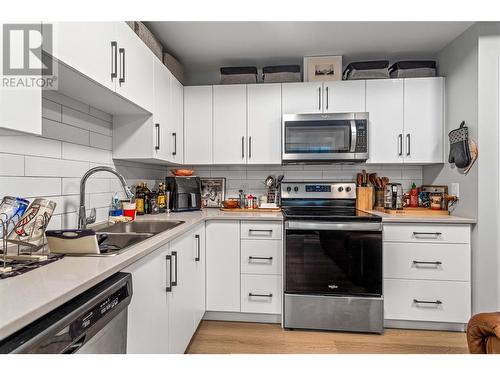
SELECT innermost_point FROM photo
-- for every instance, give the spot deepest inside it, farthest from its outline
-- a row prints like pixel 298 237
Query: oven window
pixel 333 262
pixel 307 137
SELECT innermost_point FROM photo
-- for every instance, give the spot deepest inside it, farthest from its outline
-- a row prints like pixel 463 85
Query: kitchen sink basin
pixel 150 227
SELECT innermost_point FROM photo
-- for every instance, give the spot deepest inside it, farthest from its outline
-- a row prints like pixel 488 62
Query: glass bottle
pixel 161 199
pixel 147 199
pixel 139 199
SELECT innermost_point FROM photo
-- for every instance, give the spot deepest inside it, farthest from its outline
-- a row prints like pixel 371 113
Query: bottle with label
pixel 139 199
pixel 147 199
pixel 414 196
pixel 161 199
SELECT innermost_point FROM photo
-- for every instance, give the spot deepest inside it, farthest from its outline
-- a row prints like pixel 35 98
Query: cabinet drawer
pixel 447 233
pixel 447 301
pixel 261 257
pixel 260 230
pixel 261 294
pixel 429 261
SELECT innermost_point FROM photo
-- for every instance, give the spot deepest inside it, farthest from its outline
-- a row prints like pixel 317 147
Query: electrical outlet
pixel 455 189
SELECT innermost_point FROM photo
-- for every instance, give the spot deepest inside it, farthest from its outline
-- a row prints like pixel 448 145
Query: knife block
pixel 364 198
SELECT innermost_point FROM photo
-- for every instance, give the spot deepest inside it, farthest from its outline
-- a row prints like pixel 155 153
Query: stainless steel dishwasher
pixel 95 322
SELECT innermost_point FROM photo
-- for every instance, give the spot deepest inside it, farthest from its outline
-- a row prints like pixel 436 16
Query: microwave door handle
pixel 354 136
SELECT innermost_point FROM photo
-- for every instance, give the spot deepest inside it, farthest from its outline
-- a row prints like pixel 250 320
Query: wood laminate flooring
pixel 215 337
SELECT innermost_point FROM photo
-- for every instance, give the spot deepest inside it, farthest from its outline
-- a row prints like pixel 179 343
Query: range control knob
pixel 288 189
pixel 340 189
pixel 348 189
pixel 296 189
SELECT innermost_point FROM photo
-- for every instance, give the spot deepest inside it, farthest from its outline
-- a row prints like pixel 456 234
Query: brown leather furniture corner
pixel 483 333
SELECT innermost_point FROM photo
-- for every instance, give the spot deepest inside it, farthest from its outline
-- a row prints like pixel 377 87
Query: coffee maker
pixel 393 196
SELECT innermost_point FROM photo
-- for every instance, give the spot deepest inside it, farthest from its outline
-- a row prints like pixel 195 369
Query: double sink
pixel 114 239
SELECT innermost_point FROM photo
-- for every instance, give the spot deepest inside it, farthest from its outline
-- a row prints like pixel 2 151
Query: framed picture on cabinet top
pixel 322 68
pixel 213 191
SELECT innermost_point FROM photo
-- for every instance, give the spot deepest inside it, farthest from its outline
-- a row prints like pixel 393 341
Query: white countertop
pixel 437 219
pixel 27 297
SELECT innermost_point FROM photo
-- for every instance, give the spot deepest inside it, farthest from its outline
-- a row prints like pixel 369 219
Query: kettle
pixel 393 196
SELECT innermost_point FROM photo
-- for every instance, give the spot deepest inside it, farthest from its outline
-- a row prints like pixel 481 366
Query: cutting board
pixel 414 211
pixel 251 209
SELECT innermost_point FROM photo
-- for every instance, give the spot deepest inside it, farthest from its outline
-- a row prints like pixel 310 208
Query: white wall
pixel 75 137
pixel 471 66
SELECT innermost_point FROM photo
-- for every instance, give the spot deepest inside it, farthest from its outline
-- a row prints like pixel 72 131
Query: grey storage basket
pixel 413 69
pixel 367 70
pixel 238 75
pixel 281 73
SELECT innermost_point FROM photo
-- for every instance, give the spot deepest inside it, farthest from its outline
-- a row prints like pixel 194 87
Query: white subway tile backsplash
pixel 85 121
pixel 51 110
pixel 66 101
pixel 72 151
pixel 11 165
pixel 101 115
pixel 100 200
pixel 46 167
pixel 94 185
pixel 56 130
pixel 101 141
pixel 29 186
pixel 30 145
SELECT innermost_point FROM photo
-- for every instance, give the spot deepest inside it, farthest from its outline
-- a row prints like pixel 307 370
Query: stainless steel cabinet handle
pixel 436 263
pixel 260 295
pixel 435 234
pixel 122 66
pixel 250 147
pixel 400 145
pixel 270 231
pixel 319 98
pixel 197 236
pixel 174 282
pixel 157 147
pixel 408 144
pixel 260 258
pixel 168 259
pixel 175 144
pixel 114 60
pixel 243 147
pixel 436 302
pixel 327 97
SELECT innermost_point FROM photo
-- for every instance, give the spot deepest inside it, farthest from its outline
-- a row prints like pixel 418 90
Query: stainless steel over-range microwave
pixel 327 137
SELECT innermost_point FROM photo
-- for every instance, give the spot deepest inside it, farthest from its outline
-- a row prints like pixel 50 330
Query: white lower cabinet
pixel 148 312
pixel 168 296
pixel 223 266
pixel 261 293
pixel 427 273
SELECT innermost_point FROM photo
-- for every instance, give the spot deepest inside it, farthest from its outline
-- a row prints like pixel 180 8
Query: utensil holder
pixel 364 199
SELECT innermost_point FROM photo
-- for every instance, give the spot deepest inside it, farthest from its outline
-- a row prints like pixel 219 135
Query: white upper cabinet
pixel 344 96
pixel 198 112
pixel 161 116
pixel 20 108
pixel 177 121
pixel 423 120
pixel 230 123
pixel 88 47
pixel 264 123
pixel 384 104
pixel 302 97
pixel 135 68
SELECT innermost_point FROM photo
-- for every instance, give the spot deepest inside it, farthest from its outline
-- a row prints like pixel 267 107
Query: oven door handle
pixel 320 225
pixel 354 136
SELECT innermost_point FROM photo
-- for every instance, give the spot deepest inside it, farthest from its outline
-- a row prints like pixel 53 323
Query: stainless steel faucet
pixel 83 220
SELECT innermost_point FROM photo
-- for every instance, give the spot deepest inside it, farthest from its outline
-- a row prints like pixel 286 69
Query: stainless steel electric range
pixel 332 259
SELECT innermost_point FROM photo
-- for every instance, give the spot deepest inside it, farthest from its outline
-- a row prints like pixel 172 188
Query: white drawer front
pixel 261 257
pixel 400 296
pixel 260 230
pixel 429 261
pixel 449 233
pixel 261 294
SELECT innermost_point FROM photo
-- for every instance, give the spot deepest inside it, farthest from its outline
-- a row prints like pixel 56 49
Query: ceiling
pixel 203 47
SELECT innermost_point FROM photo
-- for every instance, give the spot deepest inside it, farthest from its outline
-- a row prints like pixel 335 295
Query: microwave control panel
pixel 361 136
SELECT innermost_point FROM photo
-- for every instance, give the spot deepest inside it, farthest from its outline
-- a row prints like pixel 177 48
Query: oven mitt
pixel 459 146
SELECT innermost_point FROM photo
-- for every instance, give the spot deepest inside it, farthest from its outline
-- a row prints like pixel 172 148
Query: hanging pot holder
pixel 459 146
